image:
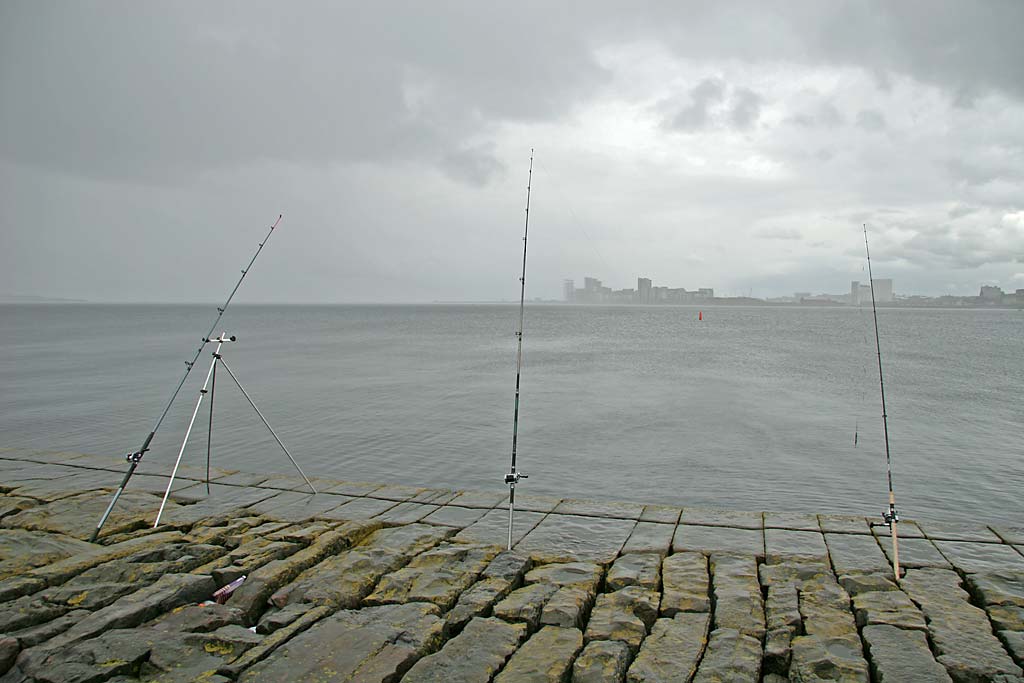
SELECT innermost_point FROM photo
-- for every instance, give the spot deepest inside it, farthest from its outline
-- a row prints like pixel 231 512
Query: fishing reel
pixel 512 478
pixel 890 516
pixel 135 457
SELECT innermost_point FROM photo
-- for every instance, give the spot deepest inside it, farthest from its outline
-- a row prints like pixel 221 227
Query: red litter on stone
pixel 222 594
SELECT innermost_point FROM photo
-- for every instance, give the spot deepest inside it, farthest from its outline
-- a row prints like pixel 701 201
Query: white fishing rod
pixel 513 477
pixel 135 457
pixel 890 516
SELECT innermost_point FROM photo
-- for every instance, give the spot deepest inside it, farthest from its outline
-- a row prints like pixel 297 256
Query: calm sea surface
pixel 752 408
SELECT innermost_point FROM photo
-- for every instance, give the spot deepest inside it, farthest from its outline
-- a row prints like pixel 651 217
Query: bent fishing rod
pixel 135 457
pixel 890 516
pixel 513 477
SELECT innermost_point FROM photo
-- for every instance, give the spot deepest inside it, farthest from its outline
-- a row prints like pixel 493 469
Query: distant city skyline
pixel 594 292
pixel 646 293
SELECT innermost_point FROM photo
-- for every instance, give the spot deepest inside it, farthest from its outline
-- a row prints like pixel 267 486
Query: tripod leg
pixel 209 431
pixel 511 509
pixel 267 424
pixel 174 472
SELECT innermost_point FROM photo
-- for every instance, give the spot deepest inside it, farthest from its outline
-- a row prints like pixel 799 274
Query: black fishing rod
pixel 135 457
pixel 890 516
pixel 513 477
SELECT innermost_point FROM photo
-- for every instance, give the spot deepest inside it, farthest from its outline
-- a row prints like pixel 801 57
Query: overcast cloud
pixel 145 147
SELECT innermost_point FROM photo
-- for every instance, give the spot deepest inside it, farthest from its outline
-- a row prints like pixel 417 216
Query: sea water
pixel 753 408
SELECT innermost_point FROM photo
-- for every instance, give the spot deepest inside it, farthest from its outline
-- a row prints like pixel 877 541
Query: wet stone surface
pixel 601 661
pixel 713 539
pixel 650 537
pixel 685 584
pixel 960 633
pixel 394 583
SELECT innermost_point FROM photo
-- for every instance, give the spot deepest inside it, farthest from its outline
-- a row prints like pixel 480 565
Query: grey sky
pixel 145 147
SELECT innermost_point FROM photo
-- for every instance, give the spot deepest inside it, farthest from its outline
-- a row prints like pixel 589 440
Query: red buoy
pixel 700 315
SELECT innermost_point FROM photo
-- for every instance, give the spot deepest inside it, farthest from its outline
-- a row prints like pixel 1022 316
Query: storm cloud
pixel 144 147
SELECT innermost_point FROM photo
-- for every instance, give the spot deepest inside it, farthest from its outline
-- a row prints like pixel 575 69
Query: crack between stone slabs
pixel 68 464
pixel 976 600
pixel 512 654
pixel 519 582
pixel 227 670
pixel 1002 539
pixel 581 514
pixel 866 652
pixel 534 527
pixel 376 584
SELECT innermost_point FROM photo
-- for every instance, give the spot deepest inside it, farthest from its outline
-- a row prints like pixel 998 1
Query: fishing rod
pixel 513 477
pixel 135 457
pixel 890 516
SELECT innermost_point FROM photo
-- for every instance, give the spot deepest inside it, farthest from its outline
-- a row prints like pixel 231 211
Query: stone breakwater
pixel 376 582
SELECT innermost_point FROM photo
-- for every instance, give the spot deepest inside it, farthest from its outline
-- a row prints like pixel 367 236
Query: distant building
pixel 861 294
pixel 678 296
pixel 643 288
pixel 705 293
pixel 991 293
pixel 883 290
pixel 568 291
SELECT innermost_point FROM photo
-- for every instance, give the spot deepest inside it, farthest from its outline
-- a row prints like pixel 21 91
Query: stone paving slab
pixel 453 515
pixel 663 514
pixel 650 537
pixel 592 508
pixel 353 488
pixel 480 499
pixel 712 539
pixel 843 524
pixel 243 479
pixel 415 585
pixel 298 506
pixel 905 529
pixel 406 513
pixel 856 554
pixel 576 537
pixel 720 517
pixel 796 521
pixel 1008 534
pixel 533 503
pixel 780 544
pixel 396 492
pixel 948 531
pixel 75 515
pixel 359 508
pixel 899 655
pixel 980 557
pixel 493 527
pixel 915 552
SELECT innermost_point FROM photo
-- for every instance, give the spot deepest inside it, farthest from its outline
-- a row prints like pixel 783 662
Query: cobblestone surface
pixel 373 582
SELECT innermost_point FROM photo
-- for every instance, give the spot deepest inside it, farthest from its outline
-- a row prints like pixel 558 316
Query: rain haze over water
pixel 751 408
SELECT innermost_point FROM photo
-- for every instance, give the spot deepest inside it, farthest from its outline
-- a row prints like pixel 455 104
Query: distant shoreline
pixel 710 303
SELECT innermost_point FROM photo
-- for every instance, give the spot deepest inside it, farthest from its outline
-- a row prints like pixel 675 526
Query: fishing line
pixel 863 383
pixel 557 189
